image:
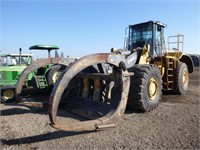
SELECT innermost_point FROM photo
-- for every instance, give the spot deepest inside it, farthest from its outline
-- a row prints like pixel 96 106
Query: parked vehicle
pixel 47 71
pixel 196 59
pixel 134 76
pixel 11 67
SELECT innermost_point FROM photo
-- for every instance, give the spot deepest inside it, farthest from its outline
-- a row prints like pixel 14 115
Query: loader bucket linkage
pixel 112 109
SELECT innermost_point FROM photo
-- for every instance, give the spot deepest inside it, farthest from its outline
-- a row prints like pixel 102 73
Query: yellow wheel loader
pixel 100 86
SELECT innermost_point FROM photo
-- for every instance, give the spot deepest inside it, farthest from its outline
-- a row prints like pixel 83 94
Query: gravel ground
pixel 174 124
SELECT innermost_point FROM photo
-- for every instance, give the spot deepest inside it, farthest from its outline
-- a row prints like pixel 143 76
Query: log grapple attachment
pixel 95 87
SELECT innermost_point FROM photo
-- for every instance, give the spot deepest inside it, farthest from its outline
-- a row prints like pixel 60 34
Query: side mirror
pixel 126 30
pixel 126 43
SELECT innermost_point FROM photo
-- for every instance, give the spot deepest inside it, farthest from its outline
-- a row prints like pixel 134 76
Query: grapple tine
pixel 118 106
pixel 72 71
pixel 34 66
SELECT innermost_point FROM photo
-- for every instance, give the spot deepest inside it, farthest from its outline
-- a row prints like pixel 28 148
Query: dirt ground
pixel 174 124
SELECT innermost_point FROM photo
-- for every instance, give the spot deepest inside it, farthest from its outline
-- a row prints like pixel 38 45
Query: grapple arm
pixel 119 99
pixel 36 65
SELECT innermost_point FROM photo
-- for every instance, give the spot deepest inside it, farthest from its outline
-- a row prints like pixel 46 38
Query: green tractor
pixel 41 79
pixel 11 67
pixel 47 71
pixel 46 76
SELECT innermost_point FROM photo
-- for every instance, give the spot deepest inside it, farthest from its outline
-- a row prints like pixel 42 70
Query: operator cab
pixel 151 33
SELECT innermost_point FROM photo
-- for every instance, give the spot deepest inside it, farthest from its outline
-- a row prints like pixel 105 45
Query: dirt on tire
pixel 174 124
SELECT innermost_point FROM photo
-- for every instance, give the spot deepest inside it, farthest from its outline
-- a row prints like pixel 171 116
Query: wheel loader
pixel 100 86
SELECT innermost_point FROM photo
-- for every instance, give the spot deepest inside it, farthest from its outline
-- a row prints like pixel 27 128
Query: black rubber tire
pixel 181 79
pixel 140 95
pixel 5 89
pixel 51 72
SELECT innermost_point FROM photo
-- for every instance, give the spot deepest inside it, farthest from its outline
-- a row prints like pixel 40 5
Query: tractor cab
pixel 5 60
pixel 151 33
pixel 15 59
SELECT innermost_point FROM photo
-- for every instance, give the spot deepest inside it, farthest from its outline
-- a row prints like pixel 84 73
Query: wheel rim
pixel 153 89
pixel 185 78
pixel 55 77
pixel 8 94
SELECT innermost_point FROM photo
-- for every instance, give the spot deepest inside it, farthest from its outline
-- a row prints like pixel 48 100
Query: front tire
pixel 8 94
pixel 145 89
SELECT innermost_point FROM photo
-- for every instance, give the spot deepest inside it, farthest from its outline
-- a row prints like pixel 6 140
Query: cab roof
pixel 153 22
pixel 16 55
pixel 43 47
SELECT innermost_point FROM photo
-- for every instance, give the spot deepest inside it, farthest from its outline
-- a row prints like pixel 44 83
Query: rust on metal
pixel 35 104
pixel 116 110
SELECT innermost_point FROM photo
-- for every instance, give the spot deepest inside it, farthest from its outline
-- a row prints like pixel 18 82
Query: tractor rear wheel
pixel 7 94
pixel 181 79
pixel 145 89
pixel 53 74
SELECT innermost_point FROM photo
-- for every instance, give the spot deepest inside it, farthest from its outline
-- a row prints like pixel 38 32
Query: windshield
pixel 14 60
pixel 140 35
pixel 5 60
pixel 24 59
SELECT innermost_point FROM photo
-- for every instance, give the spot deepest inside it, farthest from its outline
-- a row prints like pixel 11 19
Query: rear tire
pixel 145 89
pixel 8 94
pixel 53 74
pixel 181 79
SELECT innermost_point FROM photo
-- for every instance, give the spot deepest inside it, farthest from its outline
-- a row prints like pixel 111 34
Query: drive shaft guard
pixel 120 98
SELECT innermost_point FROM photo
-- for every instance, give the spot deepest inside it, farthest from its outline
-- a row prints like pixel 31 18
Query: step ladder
pixel 169 74
pixel 41 82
